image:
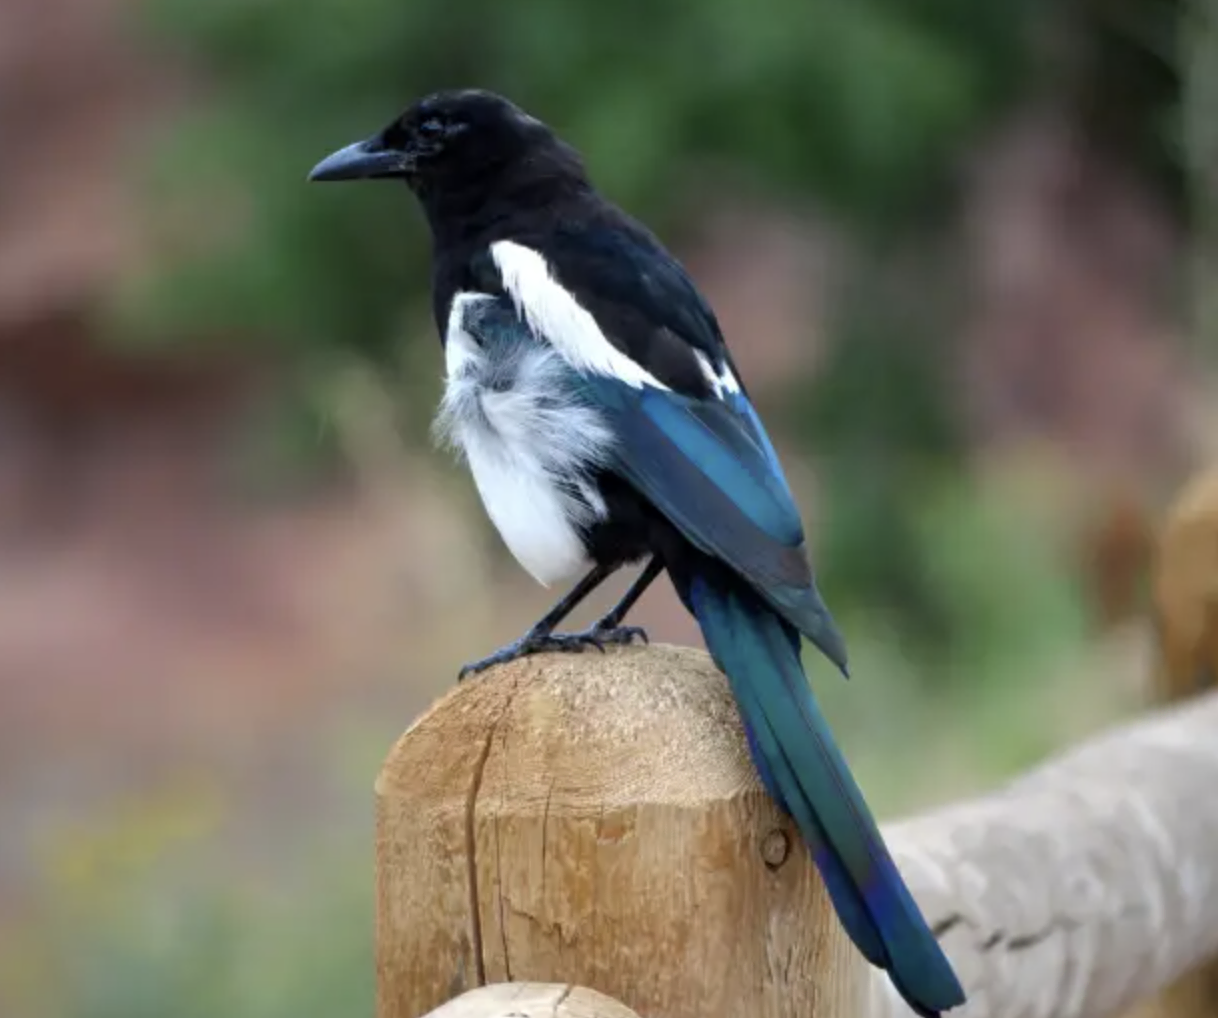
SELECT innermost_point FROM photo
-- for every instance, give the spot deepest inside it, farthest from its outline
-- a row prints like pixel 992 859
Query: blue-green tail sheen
pixel 805 772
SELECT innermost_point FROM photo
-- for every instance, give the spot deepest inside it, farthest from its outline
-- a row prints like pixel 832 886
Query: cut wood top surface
pixel 561 722
pixel 532 1000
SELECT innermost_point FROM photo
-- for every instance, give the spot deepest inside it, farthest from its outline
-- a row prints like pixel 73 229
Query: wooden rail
pixel 1185 605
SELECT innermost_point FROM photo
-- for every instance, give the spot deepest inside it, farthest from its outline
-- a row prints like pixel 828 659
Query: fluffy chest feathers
pixel 512 412
pixel 537 393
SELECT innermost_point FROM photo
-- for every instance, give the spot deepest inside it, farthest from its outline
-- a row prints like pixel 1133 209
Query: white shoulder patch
pixel 721 381
pixel 556 317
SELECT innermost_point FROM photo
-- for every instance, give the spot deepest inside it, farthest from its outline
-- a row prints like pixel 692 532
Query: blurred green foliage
pixel 184 933
pixel 1127 82
pixel 861 106
pixel 1198 42
pixel 861 109
pixel 886 441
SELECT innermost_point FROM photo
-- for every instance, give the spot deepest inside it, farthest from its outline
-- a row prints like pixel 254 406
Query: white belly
pixel 531 514
pixel 521 438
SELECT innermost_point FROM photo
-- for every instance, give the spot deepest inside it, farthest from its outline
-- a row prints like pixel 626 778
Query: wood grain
pixel 595 820
pixel 532 1000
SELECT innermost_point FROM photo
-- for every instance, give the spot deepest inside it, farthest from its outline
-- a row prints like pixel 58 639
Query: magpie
pixel 591 392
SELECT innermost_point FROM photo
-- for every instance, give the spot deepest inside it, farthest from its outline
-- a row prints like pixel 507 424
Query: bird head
pixel 444 139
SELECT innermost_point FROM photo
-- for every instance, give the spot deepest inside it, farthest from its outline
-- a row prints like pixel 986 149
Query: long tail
pixel 804 771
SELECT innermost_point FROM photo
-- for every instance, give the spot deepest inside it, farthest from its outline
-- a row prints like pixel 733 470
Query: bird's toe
pixel 623 635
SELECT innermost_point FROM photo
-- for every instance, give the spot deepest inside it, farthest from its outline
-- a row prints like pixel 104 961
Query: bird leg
pixel 606 630
pixel 611 622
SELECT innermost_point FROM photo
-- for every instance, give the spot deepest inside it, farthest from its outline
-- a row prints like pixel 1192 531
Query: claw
pixel 569 643
pixel 621 636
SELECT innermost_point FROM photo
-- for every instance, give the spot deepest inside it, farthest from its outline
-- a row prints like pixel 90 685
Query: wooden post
pixel 532 1000
pixel 595 820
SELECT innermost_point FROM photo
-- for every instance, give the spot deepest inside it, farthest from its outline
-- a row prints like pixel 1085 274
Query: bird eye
pixel 432 128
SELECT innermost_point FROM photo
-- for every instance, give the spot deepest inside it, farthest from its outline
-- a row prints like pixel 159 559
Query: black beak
pixel 363 160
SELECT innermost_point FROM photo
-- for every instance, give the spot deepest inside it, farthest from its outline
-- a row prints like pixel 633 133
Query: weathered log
pixel 1185 597
pixel 1085 886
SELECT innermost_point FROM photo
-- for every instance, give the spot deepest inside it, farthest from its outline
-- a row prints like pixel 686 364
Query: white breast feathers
pixel 531 445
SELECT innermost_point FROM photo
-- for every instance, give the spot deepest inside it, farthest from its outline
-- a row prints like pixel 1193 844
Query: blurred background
pixel 955 246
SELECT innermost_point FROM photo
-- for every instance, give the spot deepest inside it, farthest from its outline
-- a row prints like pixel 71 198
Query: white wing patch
pixel 721 381
pixel 530 450
pixel 557 318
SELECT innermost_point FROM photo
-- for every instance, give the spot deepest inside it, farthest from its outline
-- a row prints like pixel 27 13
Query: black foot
pixel 568 643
